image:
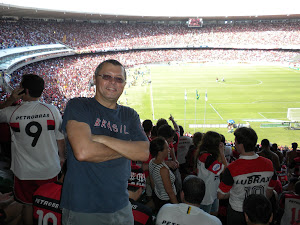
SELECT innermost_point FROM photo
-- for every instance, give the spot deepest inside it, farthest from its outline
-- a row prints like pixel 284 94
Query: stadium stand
pixel 135 44
pixel 92 37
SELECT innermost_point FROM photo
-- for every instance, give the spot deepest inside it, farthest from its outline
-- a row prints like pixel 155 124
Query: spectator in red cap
pixel 142 214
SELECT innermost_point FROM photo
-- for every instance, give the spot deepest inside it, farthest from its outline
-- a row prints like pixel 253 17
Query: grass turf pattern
pixel 249 92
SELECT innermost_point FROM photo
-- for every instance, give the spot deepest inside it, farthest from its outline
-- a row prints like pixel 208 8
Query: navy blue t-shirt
pixel 99 187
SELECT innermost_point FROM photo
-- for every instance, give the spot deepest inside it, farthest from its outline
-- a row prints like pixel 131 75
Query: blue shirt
pixel 99 187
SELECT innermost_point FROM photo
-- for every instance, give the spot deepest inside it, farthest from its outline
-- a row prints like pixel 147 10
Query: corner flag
pixel 206 96
pixel 185 95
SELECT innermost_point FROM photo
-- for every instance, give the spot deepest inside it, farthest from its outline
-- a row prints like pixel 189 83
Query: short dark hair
pixel 157 145
pixel 34 84
pixel 258 208
pixel 246 136
pixel 154 131
pixel 193 188
pixel 166 131
pixel 197 137
pixel 147 125
pixel 161 122
pixel 294 145
pixel 274 147
pixel 265 143
pixel 111 61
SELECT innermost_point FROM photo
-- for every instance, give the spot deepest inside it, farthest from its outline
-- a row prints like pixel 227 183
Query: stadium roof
pixel 152 10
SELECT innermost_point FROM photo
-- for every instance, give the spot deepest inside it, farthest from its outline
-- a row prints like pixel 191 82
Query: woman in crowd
pixel 162 178
pixel 189 167
pixel 210 162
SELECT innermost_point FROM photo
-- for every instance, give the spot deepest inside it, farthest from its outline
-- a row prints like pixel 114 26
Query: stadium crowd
pixel 207 156
pixel 95 36
pixel 71 76
pixel 197 156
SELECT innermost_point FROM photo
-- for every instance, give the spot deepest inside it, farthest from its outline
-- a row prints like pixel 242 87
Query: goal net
pixel 293 114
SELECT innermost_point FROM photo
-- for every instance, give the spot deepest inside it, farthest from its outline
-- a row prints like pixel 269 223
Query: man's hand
pixel 171 117
pixel 222 154
pixel 176 127
pixel 172 164
pixel 221 148
pixel 5 199
pixel 15 96
pixel 62 161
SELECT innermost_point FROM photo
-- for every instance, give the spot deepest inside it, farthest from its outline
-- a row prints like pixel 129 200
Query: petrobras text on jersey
pixel 32 117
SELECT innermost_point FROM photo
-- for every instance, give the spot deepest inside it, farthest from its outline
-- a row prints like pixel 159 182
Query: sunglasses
pixel 110 78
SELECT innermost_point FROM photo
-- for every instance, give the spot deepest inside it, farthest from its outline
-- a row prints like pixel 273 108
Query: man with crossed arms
pixel 102 139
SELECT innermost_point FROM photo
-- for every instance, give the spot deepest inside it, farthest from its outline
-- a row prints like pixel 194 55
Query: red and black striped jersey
pixel 245 176
pixel 209 169
pixel 290 203
pixel 142 214
pixel 46 200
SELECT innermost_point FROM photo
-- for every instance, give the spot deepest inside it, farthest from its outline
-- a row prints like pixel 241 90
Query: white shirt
pixel 35 127
pixel 184 214
pixel 183 147
pixel 210 176
pixel 250 174
pixel 291 209
pixel 228 153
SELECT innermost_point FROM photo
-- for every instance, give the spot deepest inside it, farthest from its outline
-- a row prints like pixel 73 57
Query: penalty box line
pixel 216 111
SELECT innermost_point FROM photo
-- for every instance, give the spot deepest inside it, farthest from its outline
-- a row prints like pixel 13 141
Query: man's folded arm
pixel 84 148
pixel 133 150
pixel 99 148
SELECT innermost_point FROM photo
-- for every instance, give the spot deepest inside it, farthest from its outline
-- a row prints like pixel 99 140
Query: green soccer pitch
pixel 254 93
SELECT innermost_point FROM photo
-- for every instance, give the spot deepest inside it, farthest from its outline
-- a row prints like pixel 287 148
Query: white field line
pixel 216 111
pixel 151 99
pixel 296 71
pixel 262 115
